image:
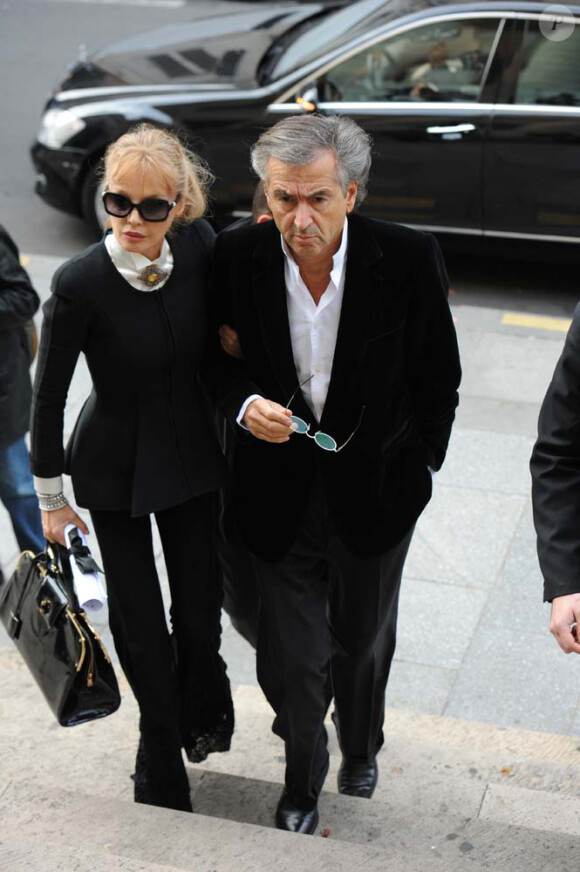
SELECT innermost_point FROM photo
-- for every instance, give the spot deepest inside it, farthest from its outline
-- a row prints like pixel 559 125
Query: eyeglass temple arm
pixel 301 385
pixel 344 444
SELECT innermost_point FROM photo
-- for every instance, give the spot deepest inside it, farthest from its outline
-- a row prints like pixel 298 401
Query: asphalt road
pixel 39 38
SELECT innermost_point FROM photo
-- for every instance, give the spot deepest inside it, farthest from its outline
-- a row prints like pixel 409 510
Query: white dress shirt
pixel 313 328
pixel 129 264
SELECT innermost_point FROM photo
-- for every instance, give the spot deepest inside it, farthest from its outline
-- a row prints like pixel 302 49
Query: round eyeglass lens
pixel 300 425
pixel 323 440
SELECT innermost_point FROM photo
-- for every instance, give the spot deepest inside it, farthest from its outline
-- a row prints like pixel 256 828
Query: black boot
pixel 157 782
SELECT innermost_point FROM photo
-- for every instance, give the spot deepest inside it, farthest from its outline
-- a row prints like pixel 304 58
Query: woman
pixel 135 304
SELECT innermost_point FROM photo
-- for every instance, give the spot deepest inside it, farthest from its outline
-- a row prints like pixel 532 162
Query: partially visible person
pixel 144 444
pixel 18 303
pixel 241 595
pixel 260 207
pixel 438 72
pixel 555 467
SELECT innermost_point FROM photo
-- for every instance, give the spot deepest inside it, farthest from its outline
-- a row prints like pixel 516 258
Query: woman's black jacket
pixel 18 303
pixel 144 440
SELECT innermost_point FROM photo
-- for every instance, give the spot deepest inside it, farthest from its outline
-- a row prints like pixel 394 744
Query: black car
pixel 474 107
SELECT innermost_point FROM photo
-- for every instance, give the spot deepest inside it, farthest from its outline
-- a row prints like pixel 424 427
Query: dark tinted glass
pixel 550 68
pixel 443 61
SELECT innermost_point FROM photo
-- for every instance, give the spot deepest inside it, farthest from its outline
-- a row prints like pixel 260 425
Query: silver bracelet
pixel 52 502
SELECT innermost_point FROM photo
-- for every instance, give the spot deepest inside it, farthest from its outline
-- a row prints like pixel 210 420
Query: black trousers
pixel 327 627
pixel 147 652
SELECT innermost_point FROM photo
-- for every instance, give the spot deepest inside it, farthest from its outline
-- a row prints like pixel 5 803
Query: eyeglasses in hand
pixel 323 440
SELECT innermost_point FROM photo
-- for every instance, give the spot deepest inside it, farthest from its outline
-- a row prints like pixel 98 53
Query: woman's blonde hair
pixel 150 147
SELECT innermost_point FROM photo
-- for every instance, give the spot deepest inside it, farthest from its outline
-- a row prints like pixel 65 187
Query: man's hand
pixel 268 421
pixel 53 523
pixel 565 613
pixel 230 342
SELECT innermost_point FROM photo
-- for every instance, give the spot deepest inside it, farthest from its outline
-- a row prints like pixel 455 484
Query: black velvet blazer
pixel 396 358
pixel 555 467
pixel 144 440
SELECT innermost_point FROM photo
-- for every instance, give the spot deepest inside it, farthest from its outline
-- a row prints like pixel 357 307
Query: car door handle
pixel 451 131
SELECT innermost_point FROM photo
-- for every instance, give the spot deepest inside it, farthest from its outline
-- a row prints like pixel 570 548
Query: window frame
pixel 542 107
pixel 311 80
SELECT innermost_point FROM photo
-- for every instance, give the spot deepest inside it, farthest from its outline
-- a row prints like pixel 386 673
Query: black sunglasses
pixel 153 209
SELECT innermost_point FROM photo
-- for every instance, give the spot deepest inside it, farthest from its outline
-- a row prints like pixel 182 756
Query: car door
pixel 419 92
pixel 532 157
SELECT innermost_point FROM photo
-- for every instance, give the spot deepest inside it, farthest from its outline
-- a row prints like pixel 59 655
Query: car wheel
pixel 92 204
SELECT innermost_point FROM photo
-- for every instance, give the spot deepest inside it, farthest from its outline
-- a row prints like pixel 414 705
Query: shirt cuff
pixel 48 486
pixel 242 411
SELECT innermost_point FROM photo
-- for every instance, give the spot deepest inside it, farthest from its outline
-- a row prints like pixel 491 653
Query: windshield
pixel 318 36
pixel 266 67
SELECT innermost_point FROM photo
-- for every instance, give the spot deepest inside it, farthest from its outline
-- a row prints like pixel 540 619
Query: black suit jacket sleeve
pixel 63 336
pixel 224 375
pixel 18 299
pixel 433 356
pixel 555 467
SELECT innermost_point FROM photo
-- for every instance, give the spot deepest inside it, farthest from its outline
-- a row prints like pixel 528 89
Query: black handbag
pixel 40 611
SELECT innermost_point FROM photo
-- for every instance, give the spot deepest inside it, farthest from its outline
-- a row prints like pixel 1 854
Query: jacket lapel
pixel 363 291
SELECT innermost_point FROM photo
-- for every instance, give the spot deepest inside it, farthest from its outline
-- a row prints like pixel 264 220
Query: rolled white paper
pixel 89 586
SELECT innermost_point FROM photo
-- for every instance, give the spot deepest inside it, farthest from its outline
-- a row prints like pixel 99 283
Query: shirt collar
pixel 133 261
pixel 337 259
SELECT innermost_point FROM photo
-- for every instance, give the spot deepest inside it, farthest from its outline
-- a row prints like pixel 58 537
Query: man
pixel 18 303
pixel 555 467
pixel 345 397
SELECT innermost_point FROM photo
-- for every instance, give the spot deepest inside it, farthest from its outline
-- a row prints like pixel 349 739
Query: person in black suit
pixel 144 444
pixel 555 467
pixel 342 405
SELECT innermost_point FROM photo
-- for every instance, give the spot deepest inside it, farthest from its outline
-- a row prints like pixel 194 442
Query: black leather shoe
pixel 295 820
pixel 358 777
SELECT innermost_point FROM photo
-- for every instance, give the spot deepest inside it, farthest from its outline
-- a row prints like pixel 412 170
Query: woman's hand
pixel 230 342
pixel 53 523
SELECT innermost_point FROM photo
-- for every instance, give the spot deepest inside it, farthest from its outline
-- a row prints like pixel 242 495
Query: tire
pixel 91 203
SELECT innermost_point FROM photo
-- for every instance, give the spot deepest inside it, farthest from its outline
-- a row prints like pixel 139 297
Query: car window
pixel 549 69
pixel 441 61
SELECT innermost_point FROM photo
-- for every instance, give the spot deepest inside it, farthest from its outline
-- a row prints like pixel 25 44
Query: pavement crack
pixel 482 801
pixel 6 788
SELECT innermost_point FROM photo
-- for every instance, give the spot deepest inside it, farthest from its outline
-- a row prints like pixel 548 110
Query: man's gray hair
pixel 300 139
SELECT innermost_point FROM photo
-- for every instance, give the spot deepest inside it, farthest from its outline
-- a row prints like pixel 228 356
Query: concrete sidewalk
pixel 473 637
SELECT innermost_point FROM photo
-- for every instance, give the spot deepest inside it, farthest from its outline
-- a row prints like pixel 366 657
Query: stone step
pixel 163 839
pixel 490 836
pixel 440 765
pixel 420 752
pixel 167 838
pixel 20 854
pixel 471 782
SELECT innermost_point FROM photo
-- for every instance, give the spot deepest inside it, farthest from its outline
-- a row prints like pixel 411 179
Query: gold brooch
pixel 152 275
